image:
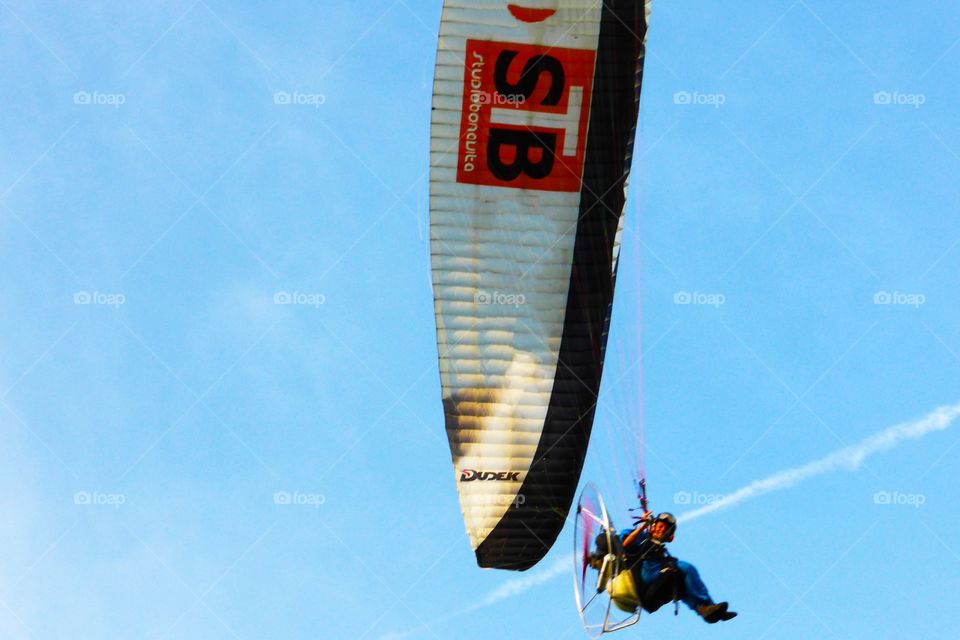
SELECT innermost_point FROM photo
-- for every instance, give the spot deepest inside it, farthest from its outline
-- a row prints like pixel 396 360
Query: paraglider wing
pixel 534 112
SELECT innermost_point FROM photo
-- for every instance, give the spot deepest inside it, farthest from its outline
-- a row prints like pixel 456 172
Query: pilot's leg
pixel 695 592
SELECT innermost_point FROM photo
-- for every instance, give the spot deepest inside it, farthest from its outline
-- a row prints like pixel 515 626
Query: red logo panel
pixel 525 115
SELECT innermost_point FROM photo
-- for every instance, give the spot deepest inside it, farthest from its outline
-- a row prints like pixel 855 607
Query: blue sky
pixel 797 161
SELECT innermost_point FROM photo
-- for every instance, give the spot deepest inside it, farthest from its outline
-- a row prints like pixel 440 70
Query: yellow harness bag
pixel 623 592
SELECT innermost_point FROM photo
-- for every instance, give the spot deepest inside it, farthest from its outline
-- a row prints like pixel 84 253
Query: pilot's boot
pixel 713 613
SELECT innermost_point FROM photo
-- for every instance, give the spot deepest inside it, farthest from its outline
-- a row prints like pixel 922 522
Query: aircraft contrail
pixel 508 589
pixel 848 458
